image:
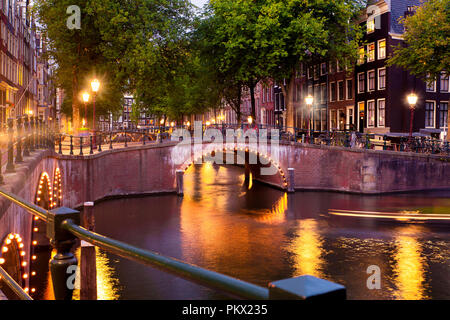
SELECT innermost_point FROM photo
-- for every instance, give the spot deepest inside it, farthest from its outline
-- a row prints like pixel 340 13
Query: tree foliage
pixel 427 39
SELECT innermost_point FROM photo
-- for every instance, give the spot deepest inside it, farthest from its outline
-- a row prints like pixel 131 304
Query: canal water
pixel 260 234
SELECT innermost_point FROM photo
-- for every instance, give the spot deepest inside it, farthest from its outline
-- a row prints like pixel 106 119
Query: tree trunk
pixel 75 102
pixel 252 99
pixel 288 92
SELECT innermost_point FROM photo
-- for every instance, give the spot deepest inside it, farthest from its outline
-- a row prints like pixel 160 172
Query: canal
pixel 260 234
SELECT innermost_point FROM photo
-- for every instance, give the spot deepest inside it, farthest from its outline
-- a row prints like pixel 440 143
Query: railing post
pixel 19 158
pixel 30 134
pixel 71 145
pixel 126 143
pixel 110 141
pixel 63 265
pixel 39 133
pixel 81 146
pixel 10 164
pixel 291 181
pixel 26 145
pixel 91 142
pixel 88 270
pixel 60 144
pixel 2 181
pixel 305 288
pixel 385 142
pixel 180 176
pixel 100 143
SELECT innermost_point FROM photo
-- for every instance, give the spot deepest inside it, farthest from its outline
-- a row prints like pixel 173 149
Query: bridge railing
pixel 63 229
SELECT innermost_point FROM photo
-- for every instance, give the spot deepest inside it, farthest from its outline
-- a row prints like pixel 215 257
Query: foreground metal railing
pixel 63 230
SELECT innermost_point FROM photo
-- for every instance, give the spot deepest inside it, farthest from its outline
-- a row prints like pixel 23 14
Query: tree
pixel 132 46
pixel 297 31
pixel 234 37
pixel 425 52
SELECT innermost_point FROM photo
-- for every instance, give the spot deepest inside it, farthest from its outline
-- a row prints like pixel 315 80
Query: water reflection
pixel 409 267
pixel 262 235
pixel 307 249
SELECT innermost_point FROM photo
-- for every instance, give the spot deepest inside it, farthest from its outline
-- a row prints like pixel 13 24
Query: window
pixel 444 82
pixel 371 52
pixel 431 84
pixel 332 67
pixel 333 91
pixel 316 92
pixel 361 83
pixel 382 49
pixel 371 114
pixel 333 119
pixel 443 115
pixel 381 113
pixel 349 89
pixel 340 90
pixel 371 80
pixel 316 72
pixel 323 68
pixel 371 25
pixel 338 66
pixel 382 79
pixel 361 55
pixel 323 93
pixel 429 114
pixel 310 72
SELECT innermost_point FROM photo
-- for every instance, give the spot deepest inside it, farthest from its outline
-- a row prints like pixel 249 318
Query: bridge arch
pixel 13 260
pixel 57 188
pixel 248 150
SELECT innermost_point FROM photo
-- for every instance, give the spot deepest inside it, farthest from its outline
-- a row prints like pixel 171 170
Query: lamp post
pixel 412 101
pixel 85 100
pixel 309 102
pixel 95 85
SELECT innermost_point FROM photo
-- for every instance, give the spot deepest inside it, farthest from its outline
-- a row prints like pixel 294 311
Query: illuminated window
pixel 361 55
pixel 382 49
pixel 371 25
pixel 371 52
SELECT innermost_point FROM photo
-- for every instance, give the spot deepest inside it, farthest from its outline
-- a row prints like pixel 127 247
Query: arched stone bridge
pixel 52 180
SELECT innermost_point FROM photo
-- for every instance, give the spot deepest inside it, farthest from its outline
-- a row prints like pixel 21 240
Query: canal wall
pixel 364 171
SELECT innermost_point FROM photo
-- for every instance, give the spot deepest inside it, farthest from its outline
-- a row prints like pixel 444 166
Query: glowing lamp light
pixel 86 97
pixel 30 112
pixel 162 121
pixel 95 85
pixel 2 260
pixel 250 120
pixel 208 123
pixel 309 100
pixel 412 99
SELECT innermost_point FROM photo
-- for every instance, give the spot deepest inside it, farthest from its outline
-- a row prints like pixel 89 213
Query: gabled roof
pixel 398 9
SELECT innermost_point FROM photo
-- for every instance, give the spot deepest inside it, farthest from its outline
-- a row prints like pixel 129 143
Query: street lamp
pixel 309 102
pixel 85 100
pixel 412 101
pixel 95 85
pixel 250 120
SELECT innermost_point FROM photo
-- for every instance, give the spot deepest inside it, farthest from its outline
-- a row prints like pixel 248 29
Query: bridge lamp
pixel 412 101
pixel 86 97
pixel 250 120
pixel 95 85
pixel 208 123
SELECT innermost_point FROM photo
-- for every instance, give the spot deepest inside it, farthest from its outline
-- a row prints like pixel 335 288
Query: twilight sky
pixel 199 3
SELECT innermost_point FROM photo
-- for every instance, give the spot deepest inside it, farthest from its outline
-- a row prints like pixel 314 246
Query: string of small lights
pixel 11 242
